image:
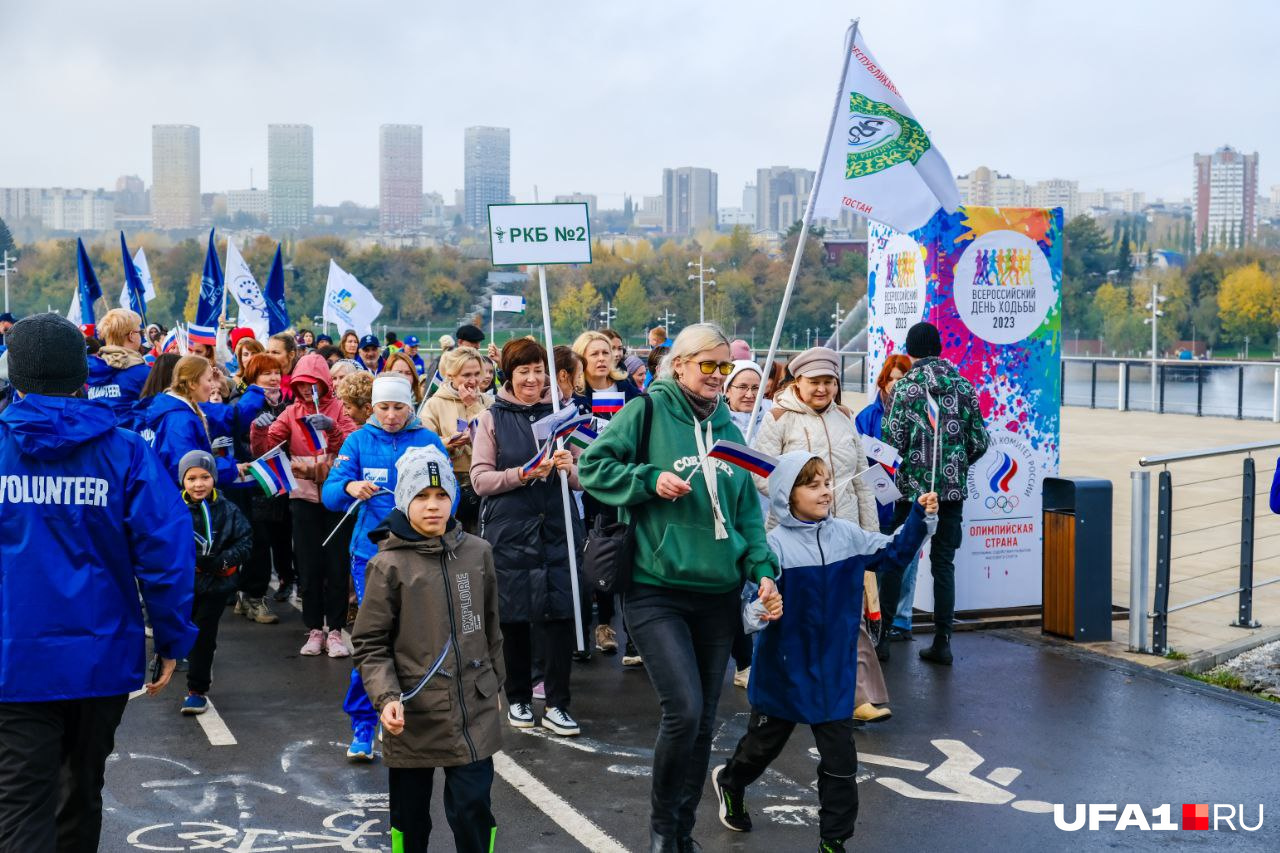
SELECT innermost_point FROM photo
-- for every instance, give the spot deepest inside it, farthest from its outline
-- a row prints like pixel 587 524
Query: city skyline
pixel 595 106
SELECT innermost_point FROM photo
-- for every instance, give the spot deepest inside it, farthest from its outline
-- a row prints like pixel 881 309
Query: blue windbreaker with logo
pixel 805 667
pixel 88 517
pixel 172 428
pixel 118 387
pixel 370 453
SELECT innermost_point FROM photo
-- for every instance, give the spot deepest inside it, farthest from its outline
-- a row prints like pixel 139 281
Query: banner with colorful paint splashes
pixel 990 279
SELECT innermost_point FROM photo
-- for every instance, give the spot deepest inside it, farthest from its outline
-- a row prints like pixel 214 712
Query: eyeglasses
pixel 710 367
pixel 748 389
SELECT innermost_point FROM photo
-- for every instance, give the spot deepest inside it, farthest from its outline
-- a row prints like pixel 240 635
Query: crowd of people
pixel 406 483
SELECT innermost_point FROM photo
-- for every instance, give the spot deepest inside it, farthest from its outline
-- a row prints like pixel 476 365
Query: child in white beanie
pixel 429 649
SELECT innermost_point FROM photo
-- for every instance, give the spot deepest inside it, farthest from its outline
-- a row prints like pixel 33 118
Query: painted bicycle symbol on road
pixel 356 830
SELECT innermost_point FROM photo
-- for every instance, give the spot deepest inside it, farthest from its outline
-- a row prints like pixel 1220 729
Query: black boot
pixel 688 845
pixel 882 646
pixel 662 844
pixel 940 651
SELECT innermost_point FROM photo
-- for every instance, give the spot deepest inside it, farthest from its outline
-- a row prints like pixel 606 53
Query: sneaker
pixel 631 657
pixel 256 610
pixel 520 715
pixel 182 665
pixel 361 748
pixel 241 605
pixel 869 713
pixel 583 656
pixel 284 592
pixel 733 806
pixel 314 644
pixel 337 646
pixel 559 721
pixel 195 703
pixel 741 677
pixel 834 845
pixel 898 635
pixel 606 640
pixel 540 690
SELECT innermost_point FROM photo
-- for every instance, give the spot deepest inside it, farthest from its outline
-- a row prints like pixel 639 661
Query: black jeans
pixel 942 563
pixel 466 806
pixel 557 649
pixel 837 767
pixel 206 611
pixel 272 546
pixel 685 639
pixel 52 759
pixel 323 572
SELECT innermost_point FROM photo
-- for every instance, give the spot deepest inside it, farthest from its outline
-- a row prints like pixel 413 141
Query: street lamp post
pixel 609 314
pixel 668 317
pixel 838 319
pixel 1154 307
pixel 702 271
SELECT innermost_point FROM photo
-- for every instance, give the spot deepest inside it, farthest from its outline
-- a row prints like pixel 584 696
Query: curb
pixel 1203 661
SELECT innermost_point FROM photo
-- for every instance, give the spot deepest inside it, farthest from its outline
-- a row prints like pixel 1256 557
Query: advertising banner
pixel 991 281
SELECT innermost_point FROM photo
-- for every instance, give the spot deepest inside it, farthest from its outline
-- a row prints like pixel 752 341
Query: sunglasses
pixel 710 367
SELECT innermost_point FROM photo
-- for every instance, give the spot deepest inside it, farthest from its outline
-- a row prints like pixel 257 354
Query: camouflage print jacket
pixel 907 428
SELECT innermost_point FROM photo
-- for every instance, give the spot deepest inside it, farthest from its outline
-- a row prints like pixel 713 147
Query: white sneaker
pixel 314 644
pixel 520 715
pixel 559 721
pixel 337 646
pixel 741 677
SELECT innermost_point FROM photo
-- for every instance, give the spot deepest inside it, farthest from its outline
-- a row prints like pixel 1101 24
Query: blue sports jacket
pixel 117 387
pixel 805 667
pixel 87 519
pixel 172 428
pixel 370 453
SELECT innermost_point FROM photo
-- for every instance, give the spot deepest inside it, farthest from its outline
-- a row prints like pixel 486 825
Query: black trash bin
pixel 1077 558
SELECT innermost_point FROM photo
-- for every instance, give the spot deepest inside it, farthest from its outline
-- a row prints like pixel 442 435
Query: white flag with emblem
pixel 243 286
pixel 348 304
pixel 144 272
pixel 880 162
pixel 508 303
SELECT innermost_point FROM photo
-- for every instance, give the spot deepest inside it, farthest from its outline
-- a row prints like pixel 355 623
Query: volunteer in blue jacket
pixel 366 472
pixel 90 520
pixel 182 418
pixel 118 372
pixel 411 350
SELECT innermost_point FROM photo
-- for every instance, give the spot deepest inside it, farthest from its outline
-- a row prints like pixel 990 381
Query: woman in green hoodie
pixel 698 538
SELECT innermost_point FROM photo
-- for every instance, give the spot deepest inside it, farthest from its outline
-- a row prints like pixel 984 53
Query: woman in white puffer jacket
pixel 805 416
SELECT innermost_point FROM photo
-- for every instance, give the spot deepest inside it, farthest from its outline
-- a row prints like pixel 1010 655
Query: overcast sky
pixel 601 96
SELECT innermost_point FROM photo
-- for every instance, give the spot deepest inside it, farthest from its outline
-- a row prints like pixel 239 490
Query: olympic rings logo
pixel 1004 503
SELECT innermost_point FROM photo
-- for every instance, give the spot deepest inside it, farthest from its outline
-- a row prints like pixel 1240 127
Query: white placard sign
pixel 539 234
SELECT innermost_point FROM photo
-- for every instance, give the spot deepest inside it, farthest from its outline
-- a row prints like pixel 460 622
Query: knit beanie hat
pixel 632 364
pixel 46 356
pixel 421 468
pixel 196 459
pixel 923 341
pixel 739 366
pixel 392 388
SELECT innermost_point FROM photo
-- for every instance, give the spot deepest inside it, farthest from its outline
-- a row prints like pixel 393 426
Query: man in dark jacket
pixel 90 519
pixel 961 437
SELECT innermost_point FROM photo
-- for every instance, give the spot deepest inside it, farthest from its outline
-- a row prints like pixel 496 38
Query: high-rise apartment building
pixel 589 199
pixel 1226 198
pixel 1056 192
pixel 290 175
pixel 131 196
pixel 781 195
pixel 400 177
pixel 487 172
pixel 988 188
pixel 175 176
pixel 689 197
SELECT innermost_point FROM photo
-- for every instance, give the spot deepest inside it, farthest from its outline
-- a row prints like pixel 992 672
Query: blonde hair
pixel 356 389
pixel 451 361
pixel 415 383
pixel 186 373
pixel 692 340
pixel 586 339
pixel 116 325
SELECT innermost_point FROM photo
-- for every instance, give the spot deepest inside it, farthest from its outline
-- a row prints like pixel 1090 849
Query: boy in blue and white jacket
pixel 805 665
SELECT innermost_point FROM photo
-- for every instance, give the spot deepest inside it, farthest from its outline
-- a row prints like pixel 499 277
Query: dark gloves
pixel 322 423
pixel 209 563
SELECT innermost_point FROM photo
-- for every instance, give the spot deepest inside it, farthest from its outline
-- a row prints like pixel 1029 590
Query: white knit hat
pixel 421 468
pixel 391 388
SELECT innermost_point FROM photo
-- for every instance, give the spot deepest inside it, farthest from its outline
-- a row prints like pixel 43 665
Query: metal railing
pixel 1140 535
pixel 1239 389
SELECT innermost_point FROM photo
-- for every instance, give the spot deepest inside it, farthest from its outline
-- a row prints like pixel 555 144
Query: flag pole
pixel 752 424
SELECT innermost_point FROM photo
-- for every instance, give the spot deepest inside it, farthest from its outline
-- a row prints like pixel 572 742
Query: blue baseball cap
pixel 411 341
pixel 369 341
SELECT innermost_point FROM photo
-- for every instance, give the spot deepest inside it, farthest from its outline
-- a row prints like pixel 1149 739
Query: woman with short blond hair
pixel 118 372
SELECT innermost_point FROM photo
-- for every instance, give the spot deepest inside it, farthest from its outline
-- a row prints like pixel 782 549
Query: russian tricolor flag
pixel 931 409
pixel 760 464
pixel 607 402
pixel 314 437
pixel 570 426
pixel 207 335
pixel 537 458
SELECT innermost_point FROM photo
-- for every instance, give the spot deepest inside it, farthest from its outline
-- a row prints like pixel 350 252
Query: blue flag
pixel 133 282
pixel 277 310
pixel 90 291
pixel 212 289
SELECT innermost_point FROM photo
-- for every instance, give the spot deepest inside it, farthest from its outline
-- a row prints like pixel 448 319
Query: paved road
pixel 970 760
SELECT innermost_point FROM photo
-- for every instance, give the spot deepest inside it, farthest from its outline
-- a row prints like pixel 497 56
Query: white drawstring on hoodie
pixel 709 477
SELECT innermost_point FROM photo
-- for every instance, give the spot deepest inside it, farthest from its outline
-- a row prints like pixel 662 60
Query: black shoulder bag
pixel 609 553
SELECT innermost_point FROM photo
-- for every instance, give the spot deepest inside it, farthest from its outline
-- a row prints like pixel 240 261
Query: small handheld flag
pixel 315 439
pixel 538 458
pixel 207 335
pixel 170 342
pixel 571 426
pixel 760 464
pixel 437 382
pixel 582 437
pixel 931 410
pixel 273 474
pixel 607 402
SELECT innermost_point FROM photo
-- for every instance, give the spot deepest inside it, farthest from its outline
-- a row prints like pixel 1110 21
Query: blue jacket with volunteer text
pixel 88 518
pixel 805 667
pixel 117 386
pixel 370 453
pixel 172 427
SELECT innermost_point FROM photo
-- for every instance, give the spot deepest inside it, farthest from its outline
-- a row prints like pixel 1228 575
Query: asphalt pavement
pixel 973 759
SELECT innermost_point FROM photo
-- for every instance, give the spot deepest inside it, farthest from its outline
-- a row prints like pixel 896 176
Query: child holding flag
pixel 430 652
pixel 312 430
pixel 364 479
pixel 804 669
pixel 223 540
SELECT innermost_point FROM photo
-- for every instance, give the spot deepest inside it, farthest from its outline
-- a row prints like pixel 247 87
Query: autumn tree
pixel 632 304
pixel 575 307
pixel 1248 305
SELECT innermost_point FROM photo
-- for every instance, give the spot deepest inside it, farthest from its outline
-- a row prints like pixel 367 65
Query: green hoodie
pixel 675 540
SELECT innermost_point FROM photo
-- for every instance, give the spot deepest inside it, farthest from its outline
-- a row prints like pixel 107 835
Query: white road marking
pixel 215 728
pixel 553 806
